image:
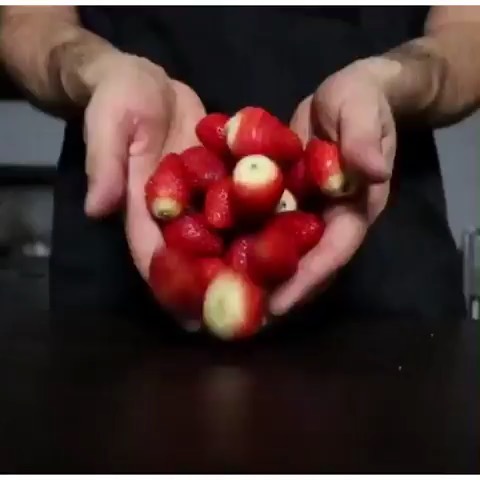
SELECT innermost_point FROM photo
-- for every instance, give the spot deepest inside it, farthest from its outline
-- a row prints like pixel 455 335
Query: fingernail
pixel 89 205
pixel 90 199
pixel 278 307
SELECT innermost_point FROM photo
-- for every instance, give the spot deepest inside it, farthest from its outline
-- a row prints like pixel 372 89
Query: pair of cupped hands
pixel 137 114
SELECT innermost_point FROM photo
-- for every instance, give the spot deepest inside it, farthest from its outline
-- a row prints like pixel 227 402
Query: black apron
pixel 270 56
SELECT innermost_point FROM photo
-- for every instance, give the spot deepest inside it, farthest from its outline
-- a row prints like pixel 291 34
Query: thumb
pixel 105 165
pixel 301 120
pixel 188 111
pixel 361 133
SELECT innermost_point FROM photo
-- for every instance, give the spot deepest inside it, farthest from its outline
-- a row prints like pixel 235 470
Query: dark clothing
pixel 271 57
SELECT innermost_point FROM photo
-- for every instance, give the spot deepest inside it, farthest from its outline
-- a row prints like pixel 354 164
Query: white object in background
pixel 475 307
pixel 471 271
pixel 25 214
pixel 36 249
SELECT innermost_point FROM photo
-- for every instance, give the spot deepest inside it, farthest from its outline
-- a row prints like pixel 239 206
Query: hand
pixel 351 108
pixel 136 114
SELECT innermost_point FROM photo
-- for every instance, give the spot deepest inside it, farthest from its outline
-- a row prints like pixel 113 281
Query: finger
pixel 107 145
pixel 343 235
pixel 181 134
pixel 324 114
pixel 300 122
pixel 377 197
pixel 361 131
pixel 389 144
pixel 143 234
pixel 148 147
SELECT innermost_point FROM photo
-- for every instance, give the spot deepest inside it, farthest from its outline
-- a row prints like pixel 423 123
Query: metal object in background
pixel 26 219
pixel 471 271
pixel 37 249
pixel 26 209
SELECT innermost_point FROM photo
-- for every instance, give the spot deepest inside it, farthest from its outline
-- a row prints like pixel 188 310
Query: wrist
pixel 81 61
pixel 103 63
pixel 411 76
pixel 383 72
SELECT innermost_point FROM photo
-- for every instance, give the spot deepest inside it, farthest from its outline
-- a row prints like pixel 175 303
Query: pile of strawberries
pixel 237 214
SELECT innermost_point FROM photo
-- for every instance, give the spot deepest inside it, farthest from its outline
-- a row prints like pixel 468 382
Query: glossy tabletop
pixel 111 395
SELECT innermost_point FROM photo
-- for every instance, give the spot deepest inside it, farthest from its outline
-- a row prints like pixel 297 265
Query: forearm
pixel 435 78
pixel 51 56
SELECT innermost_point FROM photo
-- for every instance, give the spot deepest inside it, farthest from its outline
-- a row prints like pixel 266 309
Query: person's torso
pixel 274 57
pixel 269 56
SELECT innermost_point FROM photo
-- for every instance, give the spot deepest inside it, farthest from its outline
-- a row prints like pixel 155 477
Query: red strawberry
pixel 209 268
pixel 325 165
pixel 167 191
pixel 203 168
pixel 274 257
pixel 299 181
pixel 305 228
pixel 175 282
pixel 257 186
pixel 254 131
pixel 218 205
pixel 191 235
pixel 287 202
pixel 211 132
pixel 237 255
pixel 233 307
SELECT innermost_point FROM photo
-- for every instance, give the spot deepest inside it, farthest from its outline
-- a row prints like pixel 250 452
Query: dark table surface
pixel 109 395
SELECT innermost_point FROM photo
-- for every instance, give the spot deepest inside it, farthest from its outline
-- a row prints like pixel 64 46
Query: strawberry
pixel 299 181
pixel 287 202
pixel 167 192
pixel 190 234
pixel 176 282
pixel 324 161
pixel 274 257
pixel 218 206
pixel 254 131
pixel 237 255
pixel 233 307
pixel 257 186
pixel 305 228
pixel 211 133
pixel 203 168
pixel 209 267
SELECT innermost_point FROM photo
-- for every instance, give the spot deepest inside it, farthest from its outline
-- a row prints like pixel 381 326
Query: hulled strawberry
pixel 176 282
pixel 202 168
pixel 287 202
pixel 190 234
pixel 306 229
pixel 299 180
pixel 254 131
pixel 233 307
pixel 237 255
pixel 274 257
pixel 210 131
pixel 167 191
pixel 218 208
pixel 209 267
pixel 326 168
pixel 257 186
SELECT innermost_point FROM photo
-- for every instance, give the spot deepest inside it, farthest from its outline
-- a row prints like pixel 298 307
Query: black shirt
pixel 273 57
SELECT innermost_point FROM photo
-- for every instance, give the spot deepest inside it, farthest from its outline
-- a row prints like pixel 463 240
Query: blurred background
pixel 30 144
